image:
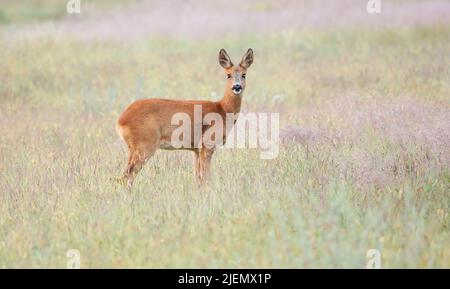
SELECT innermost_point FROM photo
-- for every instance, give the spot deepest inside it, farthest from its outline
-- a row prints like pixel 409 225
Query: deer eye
pixel 243 75
pixel 228 75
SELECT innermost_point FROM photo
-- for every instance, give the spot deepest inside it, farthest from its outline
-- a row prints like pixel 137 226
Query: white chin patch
pixel 237 91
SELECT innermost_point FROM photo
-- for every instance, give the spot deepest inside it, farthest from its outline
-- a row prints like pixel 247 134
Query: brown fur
pixel 146 126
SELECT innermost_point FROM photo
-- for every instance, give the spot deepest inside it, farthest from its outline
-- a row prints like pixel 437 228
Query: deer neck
pixel 230 102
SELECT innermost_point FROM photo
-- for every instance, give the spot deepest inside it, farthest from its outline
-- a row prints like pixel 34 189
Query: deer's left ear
pixel 247 60
pixel 224 59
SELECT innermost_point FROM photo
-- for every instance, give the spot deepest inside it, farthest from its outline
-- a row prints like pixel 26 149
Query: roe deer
pixel 146 125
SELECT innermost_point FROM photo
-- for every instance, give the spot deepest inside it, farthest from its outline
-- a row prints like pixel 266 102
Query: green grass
pixel 371 178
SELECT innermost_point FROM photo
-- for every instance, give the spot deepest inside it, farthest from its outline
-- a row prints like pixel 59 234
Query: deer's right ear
pixel 224 59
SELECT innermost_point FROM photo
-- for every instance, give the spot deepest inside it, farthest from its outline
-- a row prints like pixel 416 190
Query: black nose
pixel 237 87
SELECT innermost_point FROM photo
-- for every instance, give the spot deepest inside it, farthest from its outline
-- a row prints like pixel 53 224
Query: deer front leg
pixel 196 164
pixel 205 163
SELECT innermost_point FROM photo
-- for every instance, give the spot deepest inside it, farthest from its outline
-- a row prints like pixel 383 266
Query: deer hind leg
pixel 142 142
pixel 138 156
pixel 142 146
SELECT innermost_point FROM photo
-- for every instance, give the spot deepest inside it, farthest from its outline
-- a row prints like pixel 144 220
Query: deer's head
pixel 236 73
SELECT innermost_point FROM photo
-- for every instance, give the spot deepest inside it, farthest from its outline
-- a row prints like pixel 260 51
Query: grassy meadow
pixel 363 164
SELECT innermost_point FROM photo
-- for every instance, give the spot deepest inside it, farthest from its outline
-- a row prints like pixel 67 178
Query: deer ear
pixel 247 60
pixel 224 59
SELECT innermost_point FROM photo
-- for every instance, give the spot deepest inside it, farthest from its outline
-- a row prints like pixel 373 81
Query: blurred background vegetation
pixel 22 11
